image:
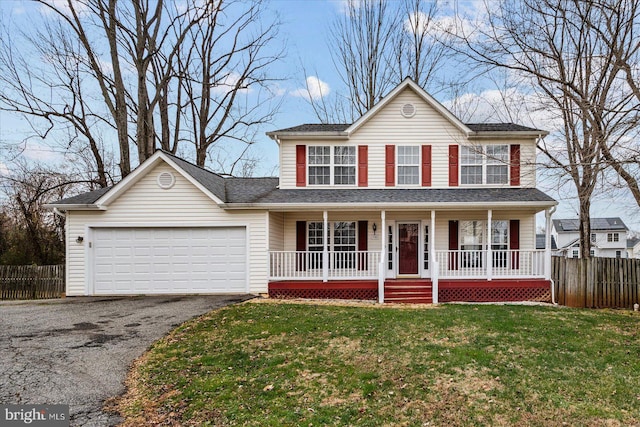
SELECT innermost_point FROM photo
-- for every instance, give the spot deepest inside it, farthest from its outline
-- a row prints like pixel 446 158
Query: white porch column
pixel 489 249
pixel 547 244
pixel 325 249
pixel 383 252
pixel 433 264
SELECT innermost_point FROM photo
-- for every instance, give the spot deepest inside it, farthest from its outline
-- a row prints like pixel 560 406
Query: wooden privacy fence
pixel 596 282
pixel 31 281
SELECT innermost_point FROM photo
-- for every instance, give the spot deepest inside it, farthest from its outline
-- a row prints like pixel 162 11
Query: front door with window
pixel 408 247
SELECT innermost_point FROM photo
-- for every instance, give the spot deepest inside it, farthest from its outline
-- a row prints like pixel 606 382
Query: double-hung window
pixel 499 242
pixel 613 237
pixel 319 165
pixel 332 165
pixel 484 164
pixel 408 165
pixel 315 243
pixel 497 164
pixel 471 233
pixel 344 169
pixel 344 244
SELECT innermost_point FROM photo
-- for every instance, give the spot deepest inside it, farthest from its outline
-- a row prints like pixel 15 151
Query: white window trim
pixel 419 166
pixel 332 164
pixel 484 165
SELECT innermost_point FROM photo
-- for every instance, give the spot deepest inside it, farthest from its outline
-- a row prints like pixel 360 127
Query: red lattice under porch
pixel 351 289
pixel 494 290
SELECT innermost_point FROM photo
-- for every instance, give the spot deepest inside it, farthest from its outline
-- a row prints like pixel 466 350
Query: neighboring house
pixel 406 204
pixel 608 237
pixel 541 242
pixel 633 247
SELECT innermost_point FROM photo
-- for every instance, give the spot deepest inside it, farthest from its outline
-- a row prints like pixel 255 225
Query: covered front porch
pixel 339 254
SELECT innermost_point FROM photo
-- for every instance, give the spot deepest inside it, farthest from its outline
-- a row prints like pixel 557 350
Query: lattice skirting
pixel 319 290
pixel 360 294
pixel 494 294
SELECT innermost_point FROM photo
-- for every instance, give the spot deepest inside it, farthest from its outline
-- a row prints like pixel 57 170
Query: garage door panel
pixel 169 260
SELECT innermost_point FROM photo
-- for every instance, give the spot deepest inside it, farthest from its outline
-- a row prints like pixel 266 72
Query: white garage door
pixel 169 260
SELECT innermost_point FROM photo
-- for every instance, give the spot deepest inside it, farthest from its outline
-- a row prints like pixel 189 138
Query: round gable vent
pixel 408 110
pixel 166 180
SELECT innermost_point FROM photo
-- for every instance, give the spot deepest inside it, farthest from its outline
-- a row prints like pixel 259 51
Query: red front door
pixel 408 248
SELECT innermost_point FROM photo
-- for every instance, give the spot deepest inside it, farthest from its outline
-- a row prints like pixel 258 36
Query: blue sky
pixel 304 29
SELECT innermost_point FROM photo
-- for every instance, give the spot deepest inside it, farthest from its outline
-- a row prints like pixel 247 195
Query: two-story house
pixel 406 204
pixel 608 237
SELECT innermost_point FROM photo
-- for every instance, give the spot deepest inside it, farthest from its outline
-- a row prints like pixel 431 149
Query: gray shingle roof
pixel 436 195
pixel 632 242
pixel 209 180
pixel 317 127
pixel 475 127
pixel 500 127
pixel 84 198
pixel 597 224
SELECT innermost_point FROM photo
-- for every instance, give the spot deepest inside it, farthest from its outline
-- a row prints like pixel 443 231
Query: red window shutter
pixel 390 165
pixel 453 165
pixel 301 245
pixel 301 165
pixel 363 165
pixel 363 244
pixel 453 245
pixel 514 242
pixel 426 166
pixel 515 164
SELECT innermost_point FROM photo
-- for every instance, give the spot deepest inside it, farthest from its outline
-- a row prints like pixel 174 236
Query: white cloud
pixel 41 153
pixel 4 169
pixel 316 89
pixel 63 7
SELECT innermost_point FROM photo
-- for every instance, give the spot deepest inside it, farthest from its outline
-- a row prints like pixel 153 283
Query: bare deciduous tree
pixel 553 48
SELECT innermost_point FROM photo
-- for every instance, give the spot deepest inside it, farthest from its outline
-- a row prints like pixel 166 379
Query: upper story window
pixel 613 237
pixel 593 237
pixel 484 165
pixel 408 165
pixel 332 165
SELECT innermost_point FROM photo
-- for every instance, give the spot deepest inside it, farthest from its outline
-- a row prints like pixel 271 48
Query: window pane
pixel 497 174
pixel 408 155
pixel 319 175
pixel 497 154
pixel 344 175
pixel 471 174
pixel 344 155
pixel 408 175
pixel 471 156
pixel 471 234
pixel 319 155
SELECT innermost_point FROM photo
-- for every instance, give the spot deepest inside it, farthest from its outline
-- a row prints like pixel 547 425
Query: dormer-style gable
pixel 407 140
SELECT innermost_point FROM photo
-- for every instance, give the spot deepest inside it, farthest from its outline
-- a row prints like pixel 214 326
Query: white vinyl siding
pixel 184 205
pixel 388 126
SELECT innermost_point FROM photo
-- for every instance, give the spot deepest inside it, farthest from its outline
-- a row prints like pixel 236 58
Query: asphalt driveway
pixel 77 351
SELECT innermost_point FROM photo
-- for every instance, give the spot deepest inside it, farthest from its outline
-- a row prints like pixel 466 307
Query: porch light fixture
pixel 375 227
pixel 79 239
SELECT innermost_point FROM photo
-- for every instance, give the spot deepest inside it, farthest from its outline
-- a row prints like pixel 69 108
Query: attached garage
pixel 168 260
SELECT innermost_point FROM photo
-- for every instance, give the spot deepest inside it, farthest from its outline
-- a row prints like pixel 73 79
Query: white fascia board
pixel 421 93
pixel 508 135
pixel 75 207
pixel 314 135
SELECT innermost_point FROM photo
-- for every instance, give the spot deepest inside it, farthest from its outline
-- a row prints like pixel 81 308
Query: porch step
pixel 408 291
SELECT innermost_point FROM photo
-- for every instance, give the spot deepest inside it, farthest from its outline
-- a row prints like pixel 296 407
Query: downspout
pixel 550 212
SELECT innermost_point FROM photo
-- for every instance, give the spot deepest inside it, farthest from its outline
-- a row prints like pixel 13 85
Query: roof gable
pixel 408 83
pixel 211 184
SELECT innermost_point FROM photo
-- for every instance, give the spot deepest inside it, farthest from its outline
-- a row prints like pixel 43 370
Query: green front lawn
pixel 301 364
